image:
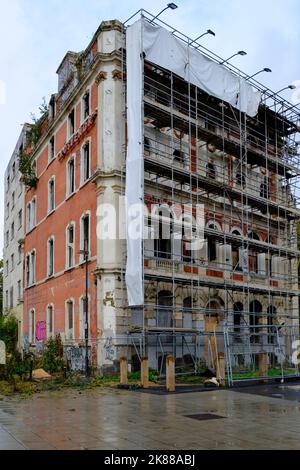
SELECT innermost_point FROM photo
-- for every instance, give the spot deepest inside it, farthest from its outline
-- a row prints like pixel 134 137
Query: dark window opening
pixel 178 156
pixel 71 120
pixel 86 105
pixel 211 171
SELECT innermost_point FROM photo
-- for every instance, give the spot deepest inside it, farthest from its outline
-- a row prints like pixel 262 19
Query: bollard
pixel 221 369
pixel 170 379
pixel 123 371
pixel 144 372
pixel 263 364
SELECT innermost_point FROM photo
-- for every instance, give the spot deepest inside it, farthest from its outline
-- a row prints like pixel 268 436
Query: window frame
pixel 83 177
pixel 67 329
pixel 68 244
pixel 69 193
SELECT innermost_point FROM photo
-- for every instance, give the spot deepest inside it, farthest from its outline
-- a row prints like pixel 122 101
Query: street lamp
pixel 241 53
pixel 260 71
pixel 85 253
pixel 209 31
pixel 290 87
pixel 170 6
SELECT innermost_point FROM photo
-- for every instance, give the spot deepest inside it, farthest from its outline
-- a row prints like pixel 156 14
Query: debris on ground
pixel 40 374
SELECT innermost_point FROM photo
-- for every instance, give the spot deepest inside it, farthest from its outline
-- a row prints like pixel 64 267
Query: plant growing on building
pixel 27 169
pixel 26 163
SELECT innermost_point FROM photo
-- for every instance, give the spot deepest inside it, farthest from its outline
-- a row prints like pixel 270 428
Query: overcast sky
pixel 35 34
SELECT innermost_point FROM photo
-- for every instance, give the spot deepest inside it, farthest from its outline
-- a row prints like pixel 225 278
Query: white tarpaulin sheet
pixel 164 49
pixel 134 166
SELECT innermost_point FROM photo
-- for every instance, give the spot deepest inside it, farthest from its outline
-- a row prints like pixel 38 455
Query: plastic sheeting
pixel 134 166
pixel 163 49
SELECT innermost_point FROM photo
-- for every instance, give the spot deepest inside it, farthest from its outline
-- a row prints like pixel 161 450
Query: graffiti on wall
pixel 109 349
pixel 75 356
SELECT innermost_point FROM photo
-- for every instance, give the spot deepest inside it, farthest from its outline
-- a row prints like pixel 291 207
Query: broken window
pixel 71 123
pixel 51 148
pixel 86 105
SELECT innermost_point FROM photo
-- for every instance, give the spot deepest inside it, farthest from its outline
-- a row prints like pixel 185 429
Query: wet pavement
pixel 110 419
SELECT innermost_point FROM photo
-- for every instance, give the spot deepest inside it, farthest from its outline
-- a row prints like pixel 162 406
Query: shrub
pixel 52 357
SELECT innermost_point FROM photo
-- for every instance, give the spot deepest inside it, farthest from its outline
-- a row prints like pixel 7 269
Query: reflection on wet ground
pixel 265 417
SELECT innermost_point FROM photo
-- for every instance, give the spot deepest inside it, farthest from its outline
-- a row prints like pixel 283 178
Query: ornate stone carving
pixel 117 74
pixel 101 76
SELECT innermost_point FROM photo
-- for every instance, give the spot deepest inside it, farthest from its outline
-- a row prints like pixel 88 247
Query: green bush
pixel 52 356
pixel 9 333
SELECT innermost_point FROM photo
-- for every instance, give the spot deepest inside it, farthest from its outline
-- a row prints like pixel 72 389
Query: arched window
pixel 50 257
pixel 82 321
pixel 85 235
pixel 70 327
pixel 70 176
pixel 85 170
pixel 51 195
pixel 32 326
pixel 50 321
pixel 70 246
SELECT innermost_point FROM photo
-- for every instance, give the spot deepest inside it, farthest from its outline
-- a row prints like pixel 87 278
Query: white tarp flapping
pixel 134 166
pixel 164 49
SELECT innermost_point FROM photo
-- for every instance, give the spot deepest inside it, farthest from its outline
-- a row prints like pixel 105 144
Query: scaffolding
pixel 238 294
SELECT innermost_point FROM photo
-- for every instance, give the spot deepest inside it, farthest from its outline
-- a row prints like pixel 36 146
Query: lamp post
pixel 289 87
pixel 209 31
pixel 260 71
pixel 85 254
pixel 241 53
pixel 171 6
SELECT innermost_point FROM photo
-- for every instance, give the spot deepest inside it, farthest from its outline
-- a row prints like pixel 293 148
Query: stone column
pixel 263 364
pixel 170 372
pixel 144 372
pixel 123 371
pixel 221 374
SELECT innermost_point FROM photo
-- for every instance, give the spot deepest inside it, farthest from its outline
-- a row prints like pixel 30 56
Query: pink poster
pixel 41 330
